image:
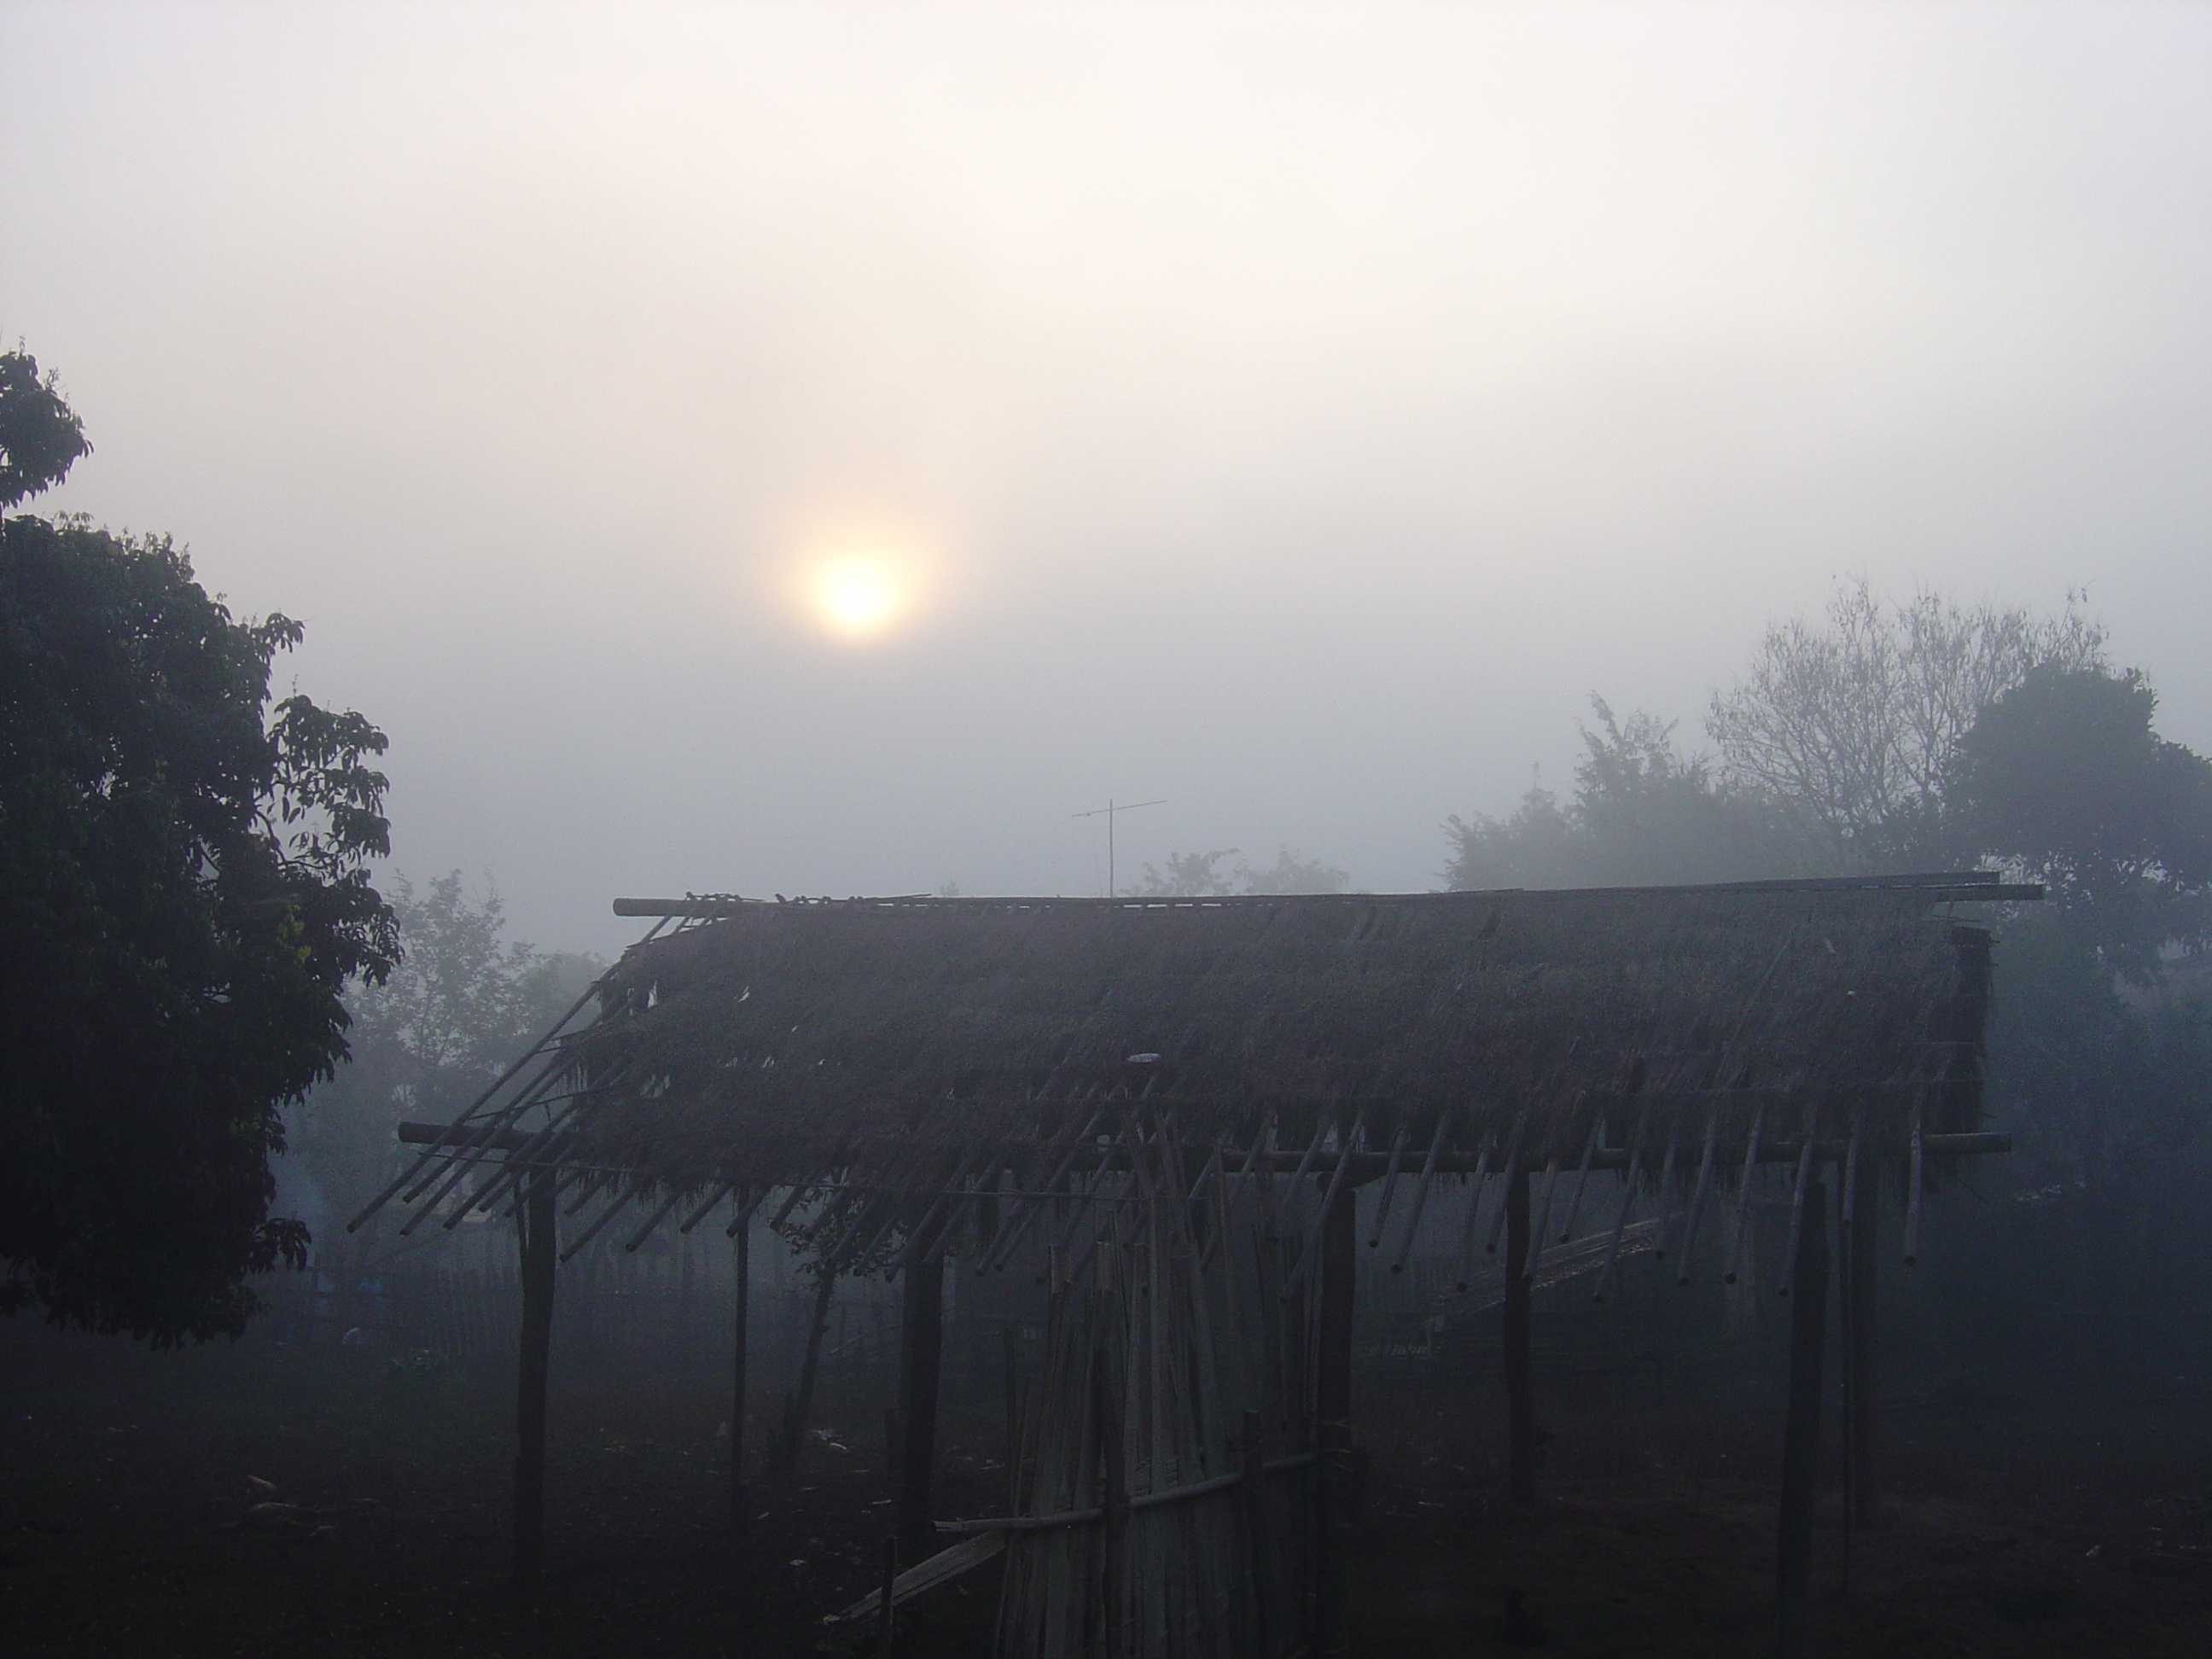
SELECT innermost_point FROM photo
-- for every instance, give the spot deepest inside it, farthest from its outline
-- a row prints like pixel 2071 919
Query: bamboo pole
pixel 1800 1440
pixel 1698 1194
pixel 740 1501
pixel 922 1343
pixel 1333 1407
pixel 1108 1387
pixel 1519 1411
pixel 802 1403
pixel 1627 1203
pixel 1421 1189
pixel 1259 1536
pixel 1865 1353
pixel 530 1370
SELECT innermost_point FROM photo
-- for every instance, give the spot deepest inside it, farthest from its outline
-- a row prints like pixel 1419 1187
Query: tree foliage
pixel 1643 812
pixel 1846 724
pixel 184 894
pixel 2063 777
pixel 1201 875
pixel 1935 735
pixel 41 437
pixel 463 1002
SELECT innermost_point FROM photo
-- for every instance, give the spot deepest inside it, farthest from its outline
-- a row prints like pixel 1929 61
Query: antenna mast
pixel 1109 811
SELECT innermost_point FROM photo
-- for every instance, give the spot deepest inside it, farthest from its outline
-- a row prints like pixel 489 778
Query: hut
pixel 1167 1106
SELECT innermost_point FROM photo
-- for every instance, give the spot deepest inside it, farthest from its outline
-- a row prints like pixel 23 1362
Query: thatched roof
pixel 777 1038
pixel 942 1047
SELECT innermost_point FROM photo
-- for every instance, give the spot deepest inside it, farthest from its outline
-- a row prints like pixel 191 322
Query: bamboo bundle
pixel 1136 1532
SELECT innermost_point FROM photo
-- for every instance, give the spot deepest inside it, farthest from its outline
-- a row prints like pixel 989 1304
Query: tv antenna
pixel 1108 812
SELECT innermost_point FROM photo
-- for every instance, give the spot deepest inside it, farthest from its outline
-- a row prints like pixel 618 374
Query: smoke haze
pixel 1290 412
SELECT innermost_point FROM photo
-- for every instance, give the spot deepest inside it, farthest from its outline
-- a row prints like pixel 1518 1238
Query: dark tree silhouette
pixel 183 896
pixel 2064 777
pixel 41 437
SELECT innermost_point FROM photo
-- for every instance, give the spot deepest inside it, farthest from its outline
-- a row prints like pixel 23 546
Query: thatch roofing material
pixel 918 1041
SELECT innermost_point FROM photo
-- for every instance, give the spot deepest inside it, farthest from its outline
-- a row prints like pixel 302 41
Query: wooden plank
pixel 941 1568
pixel 1360 1167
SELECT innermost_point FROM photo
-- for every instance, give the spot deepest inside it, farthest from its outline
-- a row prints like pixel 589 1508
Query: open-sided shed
pixel 1120 1089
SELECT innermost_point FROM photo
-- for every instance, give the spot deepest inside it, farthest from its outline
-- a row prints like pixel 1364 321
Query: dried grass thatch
pixel 898 1041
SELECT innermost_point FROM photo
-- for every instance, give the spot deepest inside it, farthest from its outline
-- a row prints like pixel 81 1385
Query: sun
pixel 859 594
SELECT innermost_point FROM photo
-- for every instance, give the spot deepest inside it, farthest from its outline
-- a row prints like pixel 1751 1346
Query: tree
pixel 1190 875
pixel 1199 875
pixel 2100 1046
pixel 1293 871
pixel 41 437
pixel 184 894
pixel 460 1006
pixel 1643 812
pixel 1847 725
pixel 2065 778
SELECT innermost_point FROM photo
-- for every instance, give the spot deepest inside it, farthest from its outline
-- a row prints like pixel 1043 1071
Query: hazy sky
pixel 1292 412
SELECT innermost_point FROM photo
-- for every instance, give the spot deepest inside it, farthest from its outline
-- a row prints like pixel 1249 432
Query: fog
pixel 1290 412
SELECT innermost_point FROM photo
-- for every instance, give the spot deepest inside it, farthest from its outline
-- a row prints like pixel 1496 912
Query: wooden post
pixel 1113 1476
pixel 1333 1407
pixel 1260 1536
pixel 797 1407
pixel 740 1503
pixel 531 1367
pixel 1012 1378
pixel 1520 1404
pixel 884 1610
pixel 921 1345
pixel 1801 1437
pixel 1865 1357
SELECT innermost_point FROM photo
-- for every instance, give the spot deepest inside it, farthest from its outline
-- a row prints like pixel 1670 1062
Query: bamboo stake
pixel 646 1231
pixel 1627 1202
pixel 1743 1195
pixel 1390 1185
pixel 1475 1195
pixel 1421 1188
pixel 700 1213
pixel 505 1078
pixel 1308 1242
pixel 745 1212
pixel 1582 1180
pixel 1666 1179
pixel 1011 1235
pixel 615 1208
pixel 1543 1219
pixel 1797 1212
pixel 1912 1184
pixel 1511 1165
pixel 1697 1193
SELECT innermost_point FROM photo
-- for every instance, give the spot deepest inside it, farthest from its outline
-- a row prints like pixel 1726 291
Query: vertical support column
pixel 1800 1436
pixel 921 1346
pixel 1259 1535
pixel 799 1407
pixel 531 1368
pixel 1107 1385
pixel 1332 1411
pixel 1865 1357
pixel 740 1503
pixel 1520 1400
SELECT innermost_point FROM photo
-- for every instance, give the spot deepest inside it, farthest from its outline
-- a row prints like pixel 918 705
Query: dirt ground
pixel 2021 1523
